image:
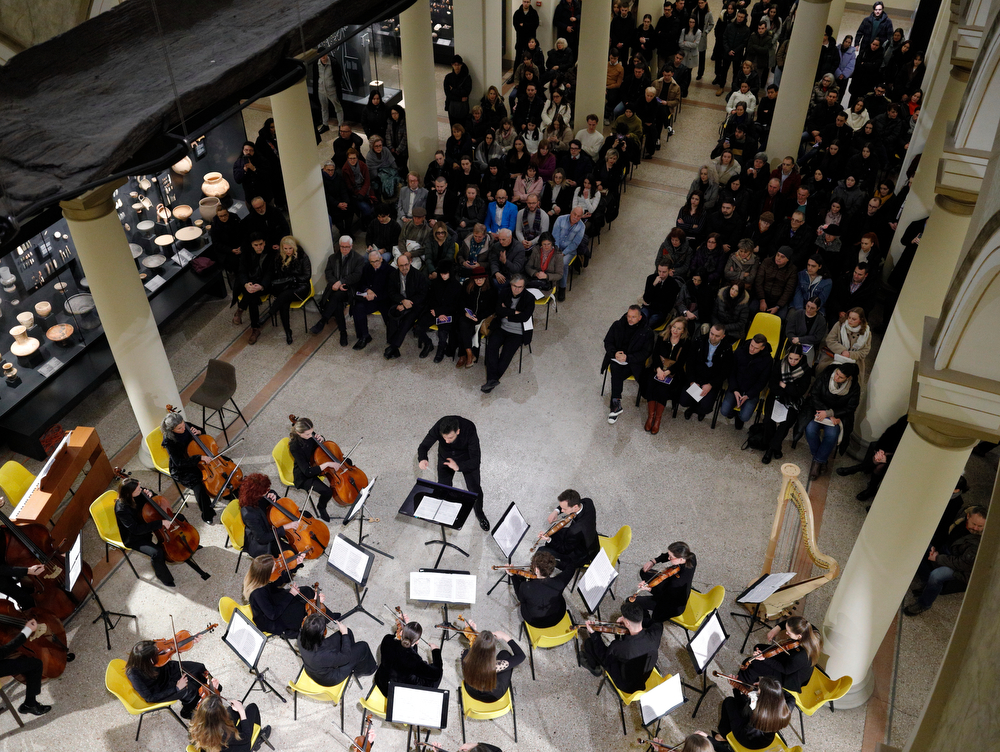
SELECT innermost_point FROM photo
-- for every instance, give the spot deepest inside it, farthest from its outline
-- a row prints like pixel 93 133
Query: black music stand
pixel 355 563
pixel 508 534
pixel 660 701
pixel 429 586
pixel 74 566
pixel 442 505
pixel 596 581
pixel 759 591
pixel 356 511
pixel 703 646
pixel 247 641
pixel 417 707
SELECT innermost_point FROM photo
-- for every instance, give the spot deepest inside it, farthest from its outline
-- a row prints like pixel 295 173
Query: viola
pixel 738 684
pixel 347 480
pixel 309 536
pixel 659 745
pixel 181 540
pixel 606 627
pixel 782 647
pixel 469 632
pixel 366 740
pixel 181 642
pixel 29 544
pixel 286 562
pixel 555 528
pixel 655 580
pixel 526 572
pixel 215 474
pixel 47 643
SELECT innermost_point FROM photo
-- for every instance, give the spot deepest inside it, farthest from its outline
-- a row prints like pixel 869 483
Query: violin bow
pixel 222 452
pixel 185 672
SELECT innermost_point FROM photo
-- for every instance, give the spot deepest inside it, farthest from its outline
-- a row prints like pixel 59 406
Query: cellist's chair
pixel 819 690
pixel 486 711
pixel 10 706
pixel 778 745
pixel 232 521
pixel 304 685
pixel 15 480
pixel 216 392
pixel 161 460
pixel 282 457
pixel 103 513
pixel 118 684
pixel 550 637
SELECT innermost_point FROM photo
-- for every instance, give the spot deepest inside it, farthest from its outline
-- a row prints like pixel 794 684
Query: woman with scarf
pixel 807 327
pixel 789 384
pixel 849 341
pixel 395 137
pixel 742 266
pixel 664 378
pixel 709 262
pixel 527 184
pixel 487 151
pixel 545 264
pixel 827 419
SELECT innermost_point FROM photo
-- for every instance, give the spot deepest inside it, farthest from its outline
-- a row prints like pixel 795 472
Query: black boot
pixel 849 470
pixel 442 346
pixel 426 346
pixel 766 459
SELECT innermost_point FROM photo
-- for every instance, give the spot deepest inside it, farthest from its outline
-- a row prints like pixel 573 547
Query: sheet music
pixel 695 391
pixel 766 588
pixel 661 699
pixel 244 638
pixel 596 579
pixel 417 707
pixel 359 502
pixel 779 412
pixel 510 531
pixel 348 559
pixel 41 475
pixel 536 293
pixel 706 643
pixel 443 588
pixel 74 566
pixel 529 325
pixel 437 510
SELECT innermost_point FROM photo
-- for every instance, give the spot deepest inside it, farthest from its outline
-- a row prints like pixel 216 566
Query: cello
pixel 180 540
pixel 26 545
pixel 348 479
pixel 307 535
pixel 47 643
pixel 219 472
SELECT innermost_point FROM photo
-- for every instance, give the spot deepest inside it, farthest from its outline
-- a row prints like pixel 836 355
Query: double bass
pixel 47 643
pixel 347 480
pixel 219 471
pixel 180 540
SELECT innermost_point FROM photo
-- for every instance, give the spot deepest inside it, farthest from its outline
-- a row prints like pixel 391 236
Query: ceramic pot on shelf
pixel 183 167
pixel 24 347
pixel 26 319
pixel 207 207
pixel 215 185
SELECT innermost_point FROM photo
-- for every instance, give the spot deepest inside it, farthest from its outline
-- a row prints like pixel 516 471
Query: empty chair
pixel 216 392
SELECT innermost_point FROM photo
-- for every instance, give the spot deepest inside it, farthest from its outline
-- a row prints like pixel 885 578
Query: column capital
pixel 960 173
pixel 94 204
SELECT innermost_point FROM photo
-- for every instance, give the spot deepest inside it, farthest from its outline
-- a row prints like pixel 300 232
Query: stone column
pixel 300 167
pixel 890 547
pixel 797 80
pixel 926 283
pixel 835 17
pixel 122 305
pixel 478 40
pixel 416 76
pixel 592 63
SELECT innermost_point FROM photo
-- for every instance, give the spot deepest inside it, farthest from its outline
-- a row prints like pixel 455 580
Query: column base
pixel 859 693
pixel 144 457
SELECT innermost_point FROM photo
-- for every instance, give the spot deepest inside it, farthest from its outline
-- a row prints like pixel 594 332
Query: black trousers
pixel 17 592
pixel 619 374
pixel 28 667
pixel 333 305
pixel 323 492
pixel 722 68
pixel 472 481
pixel 501 347
pixel 704 407
pixel 362 309
pixel 204 498
pixel 283 298
pixel 398 324
pixel 158 559
pixel 252 302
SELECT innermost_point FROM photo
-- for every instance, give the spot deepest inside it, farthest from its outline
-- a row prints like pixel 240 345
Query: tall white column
pixel 592 63
pixel 416 76
pixel 797 80
pixel 889 548
pixel 835 18
pixel 122 305
pixel 478 41
pixel 300 167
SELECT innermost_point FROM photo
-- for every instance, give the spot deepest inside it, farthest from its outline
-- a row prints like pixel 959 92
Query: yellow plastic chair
pixel 770 326
pixel 253 739
pixel 226 607
pixel 549 301
pixel 627 698
pixel 232 521
pixel 819 690
pixel 778 745
pixel 305 686
pixel 699 606
pixel 614 547
pixel 375 703
pixel 15 480
pixel 604 383
pixel 485 711
pixel 161 460
pixel 286 465
pixel 118 684
pixel 102 511
pixel 549 637
pixel 300 305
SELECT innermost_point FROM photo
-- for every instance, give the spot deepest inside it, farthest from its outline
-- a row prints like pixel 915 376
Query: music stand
pixel 443 586
pixel 508 534
pixel 74 567
pixel 661 700
pixel 596 582
pixel 247 641
pixel 355 563
pixel 442 505
pixel 417 707
pixel 759 591
pixel 704 645
pixel 356 510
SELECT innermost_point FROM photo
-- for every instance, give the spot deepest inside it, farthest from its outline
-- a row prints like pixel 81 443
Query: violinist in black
pixel 669 598
pixel 302 443
pixel 576 544
pixel 274 608
pixel 137 534
pixel 630 659
pixel 164 683
pixel 256 497
pixel 541 599
pixel 329 660
pixel 792 667
pixel 402 663
pixel 184 468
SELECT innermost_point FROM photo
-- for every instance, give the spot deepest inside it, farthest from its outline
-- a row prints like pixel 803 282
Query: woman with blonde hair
pixel 274 608
pixel 218 727
pixel 665 375
pixel 290 280
pixel 849 341
pixel 486 668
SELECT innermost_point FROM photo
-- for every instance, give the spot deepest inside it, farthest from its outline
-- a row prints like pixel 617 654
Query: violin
pixel 526 572
pixel 738 684
pixel 782 647
pixel 366 740
pixel 556 527
pixel 347 480
pixel 180 540
pixel 47 643
pixel 29 544
pixel 282 564
pixel 469 632
pixel 215 474
pixel 659 745
pixel 655 580
pixel 306 532
pixel 606 627
pixel 401 622
pixel 181 642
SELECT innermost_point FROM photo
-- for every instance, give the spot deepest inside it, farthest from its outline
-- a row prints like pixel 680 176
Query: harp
pixel 792 548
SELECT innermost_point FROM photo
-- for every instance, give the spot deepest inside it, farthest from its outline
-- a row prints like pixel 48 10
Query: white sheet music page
pixel 417 707
pixel 661 699
pixel 437 510
pixel 348 559
pixel 510 532
pixel 438 587
pixel 596 579
pixel 244 639
pixel 766 587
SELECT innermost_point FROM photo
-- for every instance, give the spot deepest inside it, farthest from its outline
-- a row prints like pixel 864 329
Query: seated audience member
pixel 568 232
pixel 473 252
pixel 440 202
pixel 471 212
pixel 827 418
pixel 707 186
pixel 383 233
pixel 710 363
pixel 630 658
pixel 590 138
pixel 853 289
pixel 531 223
pixel 807 327
pixel 500 215
pixel 668 93
pixel 660 293
pixel 676 249
pixel 343 272
pixel 407 296
pixel 438 167
pixel 790 379
pixel 691 217
pixel 557 198
pixel 346 139
pixel 544 266
pixel 359 185
pixel 577 164
pixel 507 332
pixel 410 195
pixel 848 341
pixel 372 295
pixel 948 570
pixel 743 266
pixel 442 247
pixel 747 379
pixel 811 283
pixel 664 378
pixel 480 302
pixel 798 237
pixel 877 458
pixel 727 223
pixel 732 309
pixel 626 346
pixel 775 283
pixel 444 302
pixel 506 258
pixel 527 184
pixel 414 238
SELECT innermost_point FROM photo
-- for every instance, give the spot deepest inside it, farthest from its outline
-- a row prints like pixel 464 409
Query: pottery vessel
pixel 215 185
pixel 207 207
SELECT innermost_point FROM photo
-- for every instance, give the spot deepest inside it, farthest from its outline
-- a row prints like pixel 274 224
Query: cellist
pixel 302 443
pixel 185 468
pixel 26 666
pixel 137 533
pixel 256 497
pixel 11 583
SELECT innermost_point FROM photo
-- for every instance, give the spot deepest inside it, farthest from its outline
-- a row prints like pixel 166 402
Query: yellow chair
pixel 770 326
pixel 286 465
pixel 300 305
pixel 15 480
pixel 103 513
pixel 485 711
pixel 778 745
pixel 375 703
pixel 161 460
pixel 118 684
pixel 232 521
pixel 549 637
pixel 226 608
pixel 627 698
pixel 549 301
pixel 616 545
pixel 699 606
pixel 305 686
pixel 253 739
pixel 604 383
pixel 576 261
pixel 819 690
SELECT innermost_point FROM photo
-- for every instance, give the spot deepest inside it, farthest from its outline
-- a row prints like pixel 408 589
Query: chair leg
pixel 342 703
pixel 159 482
pixel 604 381
pixel 129 560
pixel 531 660
pixel 295 705
pixel 10 707
pixel 802 727
pixel 238 411
pixel 520 357
pixel 107 553
pixel 226 544
pixel 238 560
pixel 621 712
pixel 461 713
pixel 141 715
pixel 513 712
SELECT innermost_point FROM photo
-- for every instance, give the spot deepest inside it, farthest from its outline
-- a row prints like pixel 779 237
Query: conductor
pixel 458 451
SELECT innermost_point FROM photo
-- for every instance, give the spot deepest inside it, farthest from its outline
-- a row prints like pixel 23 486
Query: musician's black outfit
pixel 278 610
pixel 12 587
pixel 629 659
pixel 670 597
pixel 405 666
pixel 735 716
pixel 306 474
pixel 186 469
pixel 337 657
pixel 542 601
pixel 465 451
pixel 26 666
pixel 244 728
pixel 507 661
pixel 163 686
pixel 793 669
pixel 576 544
pixel 258 538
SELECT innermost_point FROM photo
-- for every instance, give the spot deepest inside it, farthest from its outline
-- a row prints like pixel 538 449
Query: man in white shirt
pixel 590 138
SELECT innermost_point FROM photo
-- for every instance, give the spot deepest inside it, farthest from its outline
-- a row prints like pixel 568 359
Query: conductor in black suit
pixel 407 293
pixel 330 660
pixel 458 451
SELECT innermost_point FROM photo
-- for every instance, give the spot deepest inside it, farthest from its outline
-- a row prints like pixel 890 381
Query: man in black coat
pixel 668 32
pixel 265 220
pixel 566 18
pixel 251 173
pixel 441 203
pixel 627 344
pixel 343 271
pixel 577 164
pixel 796 235
pixel 751 370
pixel 660 294
pixel 457 90
pixel 853 289
pixel 372 295
pixel 525 26
pixel 407 294
pixel 577 544
pixel 734 43
pixel 709 365
pixel 511 328
pixel 227 239
pixel 630 659
pixel 347 139
pixel 330 660
pixel 457 452
pixel 727 223
pixel 338 198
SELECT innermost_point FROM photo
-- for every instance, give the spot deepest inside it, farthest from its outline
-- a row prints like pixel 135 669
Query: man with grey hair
pixel 372 295
pixel 506 258
pixel 531 223
pixel 508 332
pixel 568 232
pixel 343 272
